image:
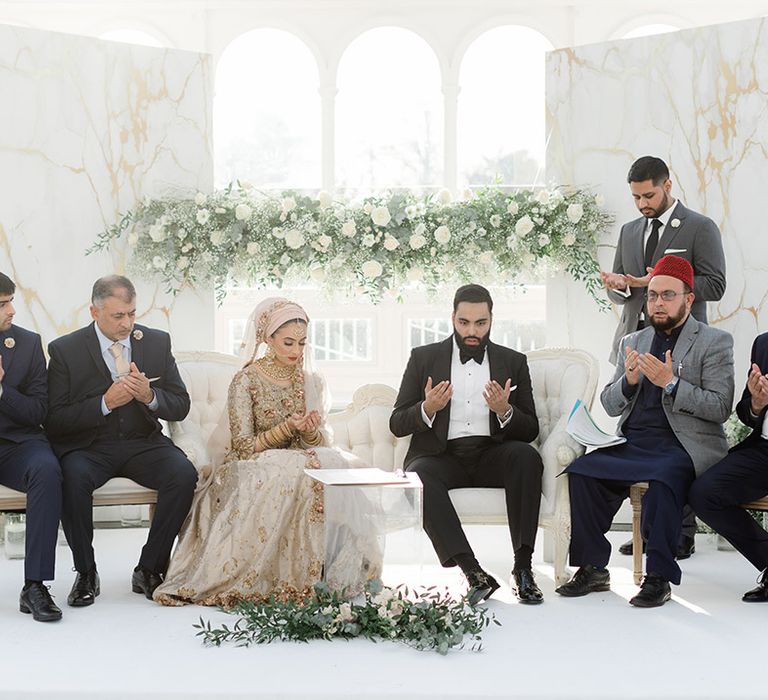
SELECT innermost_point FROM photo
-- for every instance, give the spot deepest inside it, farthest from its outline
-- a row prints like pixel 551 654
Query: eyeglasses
pixel 666 295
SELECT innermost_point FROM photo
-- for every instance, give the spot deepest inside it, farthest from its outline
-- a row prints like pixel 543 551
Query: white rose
pixel 288 204
pixel 575 212
pixel 252 248
pixel 511 242
pixel 220 210
pixel 202 217
pixel 186 247
pixel 444 196
pixel 391 243
pixel 182 263
pixel 199 199
pixel 217 237
pixel 442 234
pixel 543 239
pixel 495 221
pixel 133 238
pixel 417 241
pixel 599 200
pixel 368 240
pixel 415 274
pixel 349 229
pixel 345 612
pixel 157 233
pixel 524 225
pixel 242 212
pixel 324 199
pixel 294 239
pixel 324 241
pixel 381 216
pixel 485 258
pixel 513 208
pixel 317 274
pixel 467 194
pixel 158 262
pixel 542 196
pixel 569 239
pixel 410 211
pixel 371 269
pixel 367 207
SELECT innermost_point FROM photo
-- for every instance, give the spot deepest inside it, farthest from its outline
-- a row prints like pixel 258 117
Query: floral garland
pixel 373 246
pixel 427 621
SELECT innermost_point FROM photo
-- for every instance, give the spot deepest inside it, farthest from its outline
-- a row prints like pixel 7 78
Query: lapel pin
pixel 137 334
pixel 674 223
pixel 9 343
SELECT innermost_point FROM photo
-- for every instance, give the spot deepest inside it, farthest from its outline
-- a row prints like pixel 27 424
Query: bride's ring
pixel 632 368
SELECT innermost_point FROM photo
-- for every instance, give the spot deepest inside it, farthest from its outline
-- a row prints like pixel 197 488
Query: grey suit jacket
pixel 703 362
pixel 696 238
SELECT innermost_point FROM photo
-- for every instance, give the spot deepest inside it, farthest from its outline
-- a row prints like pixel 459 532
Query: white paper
pixel 582 428
pixel 350 477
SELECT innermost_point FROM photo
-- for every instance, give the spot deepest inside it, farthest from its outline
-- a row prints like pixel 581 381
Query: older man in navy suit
pixel 27 462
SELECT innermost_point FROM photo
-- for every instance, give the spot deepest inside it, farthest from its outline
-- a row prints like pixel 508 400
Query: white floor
pixel 703 644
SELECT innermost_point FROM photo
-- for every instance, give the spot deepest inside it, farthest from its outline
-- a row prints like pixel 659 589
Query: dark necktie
pixel 653 241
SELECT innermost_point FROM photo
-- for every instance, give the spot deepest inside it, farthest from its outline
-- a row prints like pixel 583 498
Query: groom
pixel 468 404
pixel 108 385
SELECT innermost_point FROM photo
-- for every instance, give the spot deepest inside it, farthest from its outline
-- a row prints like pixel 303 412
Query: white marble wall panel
pixel 87 128
pixel 699 100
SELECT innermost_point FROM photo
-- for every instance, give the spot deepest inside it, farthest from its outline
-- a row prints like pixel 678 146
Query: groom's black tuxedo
pixel 93 447
pixel 435 361
pixel 502 459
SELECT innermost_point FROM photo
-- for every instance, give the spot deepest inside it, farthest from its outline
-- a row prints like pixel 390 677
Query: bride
pixel 256 528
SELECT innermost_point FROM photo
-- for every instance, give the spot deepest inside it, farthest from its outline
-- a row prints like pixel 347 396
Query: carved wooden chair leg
pixel 636 493
pixel 152 508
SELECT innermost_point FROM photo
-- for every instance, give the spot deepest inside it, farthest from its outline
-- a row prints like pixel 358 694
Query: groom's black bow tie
pixel 467 355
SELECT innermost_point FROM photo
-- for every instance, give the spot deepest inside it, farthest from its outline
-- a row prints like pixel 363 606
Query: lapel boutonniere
pixel 137 334
pixel 674 223
pixel 9 343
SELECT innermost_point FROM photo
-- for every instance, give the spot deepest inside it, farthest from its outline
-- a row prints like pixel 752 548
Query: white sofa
pixel 559 377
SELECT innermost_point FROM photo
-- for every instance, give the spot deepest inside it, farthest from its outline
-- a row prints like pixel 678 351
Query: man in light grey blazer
pixel 673 392
pixel 666 227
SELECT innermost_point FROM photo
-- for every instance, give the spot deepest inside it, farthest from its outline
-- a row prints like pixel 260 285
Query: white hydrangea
pixel 294 239
pixel 157 233
pixel 569 239
pixel 442 235
pixel 243 212
pixel 218 237
pixel 371 269
pixel 252 248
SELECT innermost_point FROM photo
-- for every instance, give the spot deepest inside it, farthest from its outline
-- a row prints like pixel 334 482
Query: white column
pixel 328 93
pixel 450 134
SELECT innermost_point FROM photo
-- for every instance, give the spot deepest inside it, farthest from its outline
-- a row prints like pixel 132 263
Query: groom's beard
pixel 473 351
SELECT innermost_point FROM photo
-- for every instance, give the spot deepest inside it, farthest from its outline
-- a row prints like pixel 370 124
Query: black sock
pixel 467 562
pixel 523 558
pixel 28 582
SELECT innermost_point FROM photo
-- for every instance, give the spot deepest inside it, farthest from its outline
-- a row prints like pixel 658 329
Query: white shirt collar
pixel 665 217
pixel 105 343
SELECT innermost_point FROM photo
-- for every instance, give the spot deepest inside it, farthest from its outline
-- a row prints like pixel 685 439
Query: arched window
pixel 266 112
pixel 501 119
pixel 389 112
pixel 650 30
pixel 132 36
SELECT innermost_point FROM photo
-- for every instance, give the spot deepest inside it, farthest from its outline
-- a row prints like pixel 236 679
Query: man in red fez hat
pixel 672 392
pixel 742 477
pixel 664 227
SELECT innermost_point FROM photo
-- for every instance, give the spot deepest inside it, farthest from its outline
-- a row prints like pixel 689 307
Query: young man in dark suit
pixel 27 462
pixel 108 385
pixel 468 405
pixel 742 477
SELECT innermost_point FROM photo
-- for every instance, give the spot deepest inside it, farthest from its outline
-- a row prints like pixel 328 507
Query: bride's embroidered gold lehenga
pixel 257 528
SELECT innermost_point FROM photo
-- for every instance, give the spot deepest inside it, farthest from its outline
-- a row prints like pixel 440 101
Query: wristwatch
pixel 670 387
pixel 506 416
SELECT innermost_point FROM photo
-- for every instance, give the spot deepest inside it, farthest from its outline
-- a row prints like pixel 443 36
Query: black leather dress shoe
pixel 481 586
pixel 654 591
pixel 524 586
pixel 36 599
pixel 628 548
pixel 145 581
pixel 685 548
pixel 85 589
pixel 588 579
pixel 759 594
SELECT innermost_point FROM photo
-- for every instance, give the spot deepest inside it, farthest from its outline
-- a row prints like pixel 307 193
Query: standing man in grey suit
pixel 673 391
pixel 666 227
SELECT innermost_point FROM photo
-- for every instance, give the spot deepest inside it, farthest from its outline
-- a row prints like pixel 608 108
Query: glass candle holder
pixel 15 535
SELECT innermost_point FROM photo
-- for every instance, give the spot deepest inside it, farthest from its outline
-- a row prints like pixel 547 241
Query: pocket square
pixel 674 251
